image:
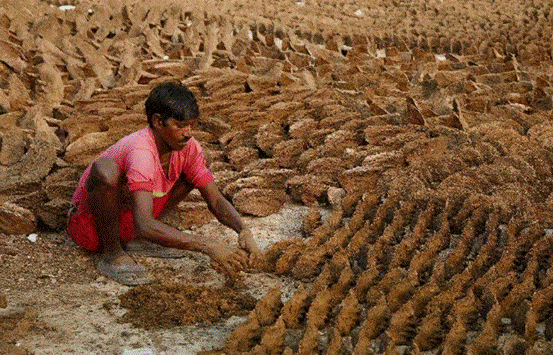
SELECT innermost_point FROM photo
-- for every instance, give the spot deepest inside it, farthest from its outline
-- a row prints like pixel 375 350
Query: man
pixel 121 195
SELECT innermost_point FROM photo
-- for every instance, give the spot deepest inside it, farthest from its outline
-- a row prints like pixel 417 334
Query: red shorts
pixel 81 229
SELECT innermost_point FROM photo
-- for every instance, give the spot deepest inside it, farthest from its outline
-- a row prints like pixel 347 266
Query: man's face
pixel 176 134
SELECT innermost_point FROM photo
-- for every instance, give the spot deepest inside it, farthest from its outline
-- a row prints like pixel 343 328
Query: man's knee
pixel 104 171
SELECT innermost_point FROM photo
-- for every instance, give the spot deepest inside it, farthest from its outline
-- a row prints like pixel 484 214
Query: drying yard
pixel 394 159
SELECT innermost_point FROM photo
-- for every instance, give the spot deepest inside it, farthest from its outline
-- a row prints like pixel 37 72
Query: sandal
pixel 147 248
pixel 126 274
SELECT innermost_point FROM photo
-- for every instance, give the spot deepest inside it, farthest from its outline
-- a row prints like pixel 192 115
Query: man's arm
pixel 225 213
pixel 230 259
pixel 223 210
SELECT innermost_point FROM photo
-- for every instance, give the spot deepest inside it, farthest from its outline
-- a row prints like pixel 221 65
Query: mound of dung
pixel 163 305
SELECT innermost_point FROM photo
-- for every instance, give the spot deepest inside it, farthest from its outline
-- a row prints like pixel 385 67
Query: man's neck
pixel 162 148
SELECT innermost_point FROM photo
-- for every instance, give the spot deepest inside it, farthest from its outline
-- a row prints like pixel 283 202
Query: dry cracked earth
pixel 393 158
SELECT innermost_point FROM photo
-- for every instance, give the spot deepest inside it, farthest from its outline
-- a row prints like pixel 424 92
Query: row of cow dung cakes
pixel 429 136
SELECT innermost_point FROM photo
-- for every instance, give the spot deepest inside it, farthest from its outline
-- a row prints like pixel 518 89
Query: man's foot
pixel 144 247
pixel 124 270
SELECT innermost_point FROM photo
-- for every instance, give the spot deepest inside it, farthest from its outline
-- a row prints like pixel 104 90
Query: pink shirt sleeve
pixel 140 167
pixel 195 168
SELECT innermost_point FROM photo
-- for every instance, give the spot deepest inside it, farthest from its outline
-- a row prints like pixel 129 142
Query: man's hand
pixel 227 259
pixel 247 243
pixel 229 216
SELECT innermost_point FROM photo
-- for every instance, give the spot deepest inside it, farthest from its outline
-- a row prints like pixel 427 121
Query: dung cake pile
pixel 425 126
pixel 163 305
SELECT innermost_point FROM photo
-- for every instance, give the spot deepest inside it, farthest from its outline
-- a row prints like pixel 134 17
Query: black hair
pixel 171 100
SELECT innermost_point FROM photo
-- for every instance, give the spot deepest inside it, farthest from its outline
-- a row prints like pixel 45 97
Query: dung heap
pixel 425 125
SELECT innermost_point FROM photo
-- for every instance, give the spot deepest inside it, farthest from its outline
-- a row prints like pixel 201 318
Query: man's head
pixel 171 100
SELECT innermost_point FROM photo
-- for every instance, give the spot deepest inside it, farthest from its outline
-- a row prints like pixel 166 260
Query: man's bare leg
pixel 105 186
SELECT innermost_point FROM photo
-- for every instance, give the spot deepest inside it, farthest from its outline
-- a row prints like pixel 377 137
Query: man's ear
pixel 156 120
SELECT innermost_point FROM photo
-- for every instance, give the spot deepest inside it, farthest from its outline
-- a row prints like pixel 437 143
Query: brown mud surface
pixel 165 305
pixel 393 158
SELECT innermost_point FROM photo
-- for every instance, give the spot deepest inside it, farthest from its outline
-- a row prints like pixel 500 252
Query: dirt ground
pixel 437 126
pixel 71 309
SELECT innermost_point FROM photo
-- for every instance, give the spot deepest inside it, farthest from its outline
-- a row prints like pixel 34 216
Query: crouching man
pixel 123 192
